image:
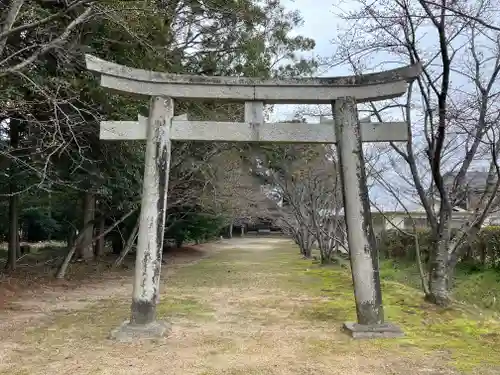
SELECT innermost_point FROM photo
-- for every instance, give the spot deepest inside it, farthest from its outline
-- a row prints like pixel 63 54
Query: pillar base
pixel 135 332
pixel 373 331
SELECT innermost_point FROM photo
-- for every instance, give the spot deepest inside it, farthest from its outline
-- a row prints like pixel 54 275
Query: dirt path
pixel 231 314
pixel 37 305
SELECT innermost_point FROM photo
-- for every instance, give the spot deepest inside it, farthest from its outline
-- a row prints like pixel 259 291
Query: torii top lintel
pixel 369 87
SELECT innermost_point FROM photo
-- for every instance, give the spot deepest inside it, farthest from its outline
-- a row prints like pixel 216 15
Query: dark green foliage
pixel 37 225
pixel 193 226
pixel 395 244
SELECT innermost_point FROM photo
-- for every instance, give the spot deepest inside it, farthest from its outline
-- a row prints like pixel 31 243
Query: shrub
pixel 194 226
pixel 486 248
pixel 484 251
pixel 395 244
pixel 38 225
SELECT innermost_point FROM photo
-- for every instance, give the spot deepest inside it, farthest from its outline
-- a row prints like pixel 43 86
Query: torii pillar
pixel 343 93
pixel 357 215
pixel 360 236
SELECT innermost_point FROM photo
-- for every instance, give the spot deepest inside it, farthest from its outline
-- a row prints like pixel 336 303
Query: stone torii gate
pixel 161 127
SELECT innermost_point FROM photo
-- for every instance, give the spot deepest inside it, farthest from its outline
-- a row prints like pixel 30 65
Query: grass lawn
pixel 254 307
pixel 473 285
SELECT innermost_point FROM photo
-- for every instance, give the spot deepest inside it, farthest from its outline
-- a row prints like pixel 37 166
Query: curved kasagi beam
pixel 369 87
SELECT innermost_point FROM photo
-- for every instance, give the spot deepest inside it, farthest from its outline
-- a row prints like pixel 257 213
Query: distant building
pixel 469 193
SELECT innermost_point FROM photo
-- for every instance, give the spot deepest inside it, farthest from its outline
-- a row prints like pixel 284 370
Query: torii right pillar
pixel 360 235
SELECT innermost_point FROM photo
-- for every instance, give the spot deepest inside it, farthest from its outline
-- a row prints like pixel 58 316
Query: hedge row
pixel 485 250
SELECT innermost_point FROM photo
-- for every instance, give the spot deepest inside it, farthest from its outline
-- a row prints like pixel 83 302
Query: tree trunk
pixel 116 243
pixel 18 245
pixel 307 251
pixel 99 244
pixel 49 209
pixel 71 237
pixel 438 276
pixel 305 242
pixel 231 229
pixel 8 18
pixel 483 254
pixel 72 249
pixel 85 249
pixel 128 246
pixel 421 272
pixel 13 232
pixel 298 240
pixel 13 248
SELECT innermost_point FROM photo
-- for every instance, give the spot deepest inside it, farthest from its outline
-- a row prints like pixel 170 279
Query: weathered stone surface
pixel 218 131
pixel 366 87
pixel 405 73
pixel 143 312
pixel 373 331
pixel 150 238
pixel 161 128
pixel 360 238
pixel 128 332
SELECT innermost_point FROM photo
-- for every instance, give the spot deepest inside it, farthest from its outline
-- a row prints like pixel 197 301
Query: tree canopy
pixel 59 177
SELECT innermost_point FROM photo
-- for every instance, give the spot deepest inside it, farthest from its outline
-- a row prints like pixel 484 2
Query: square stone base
pixel 134 332
pixel 376 331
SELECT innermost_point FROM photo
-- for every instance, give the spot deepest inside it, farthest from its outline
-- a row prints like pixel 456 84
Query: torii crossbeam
pixel 224 131
pixel 343 93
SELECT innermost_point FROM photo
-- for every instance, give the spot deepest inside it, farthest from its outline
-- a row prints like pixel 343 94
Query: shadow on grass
pixel 37 270
pixel 94 323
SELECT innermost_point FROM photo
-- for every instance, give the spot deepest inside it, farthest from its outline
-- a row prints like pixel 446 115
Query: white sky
pixel 320 24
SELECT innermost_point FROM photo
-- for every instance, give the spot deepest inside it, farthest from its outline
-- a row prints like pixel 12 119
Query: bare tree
pixel 232 191
pixel 452 111
pixel 486 18
pixel 325 206
pixel 304 178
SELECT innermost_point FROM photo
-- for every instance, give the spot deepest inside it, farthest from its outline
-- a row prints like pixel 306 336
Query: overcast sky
pixel 320 24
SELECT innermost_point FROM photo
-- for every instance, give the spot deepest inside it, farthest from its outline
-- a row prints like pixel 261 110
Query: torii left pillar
pixel 146 289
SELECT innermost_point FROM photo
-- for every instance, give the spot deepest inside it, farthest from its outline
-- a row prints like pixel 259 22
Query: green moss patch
pixel 186 307
pixel 466 341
